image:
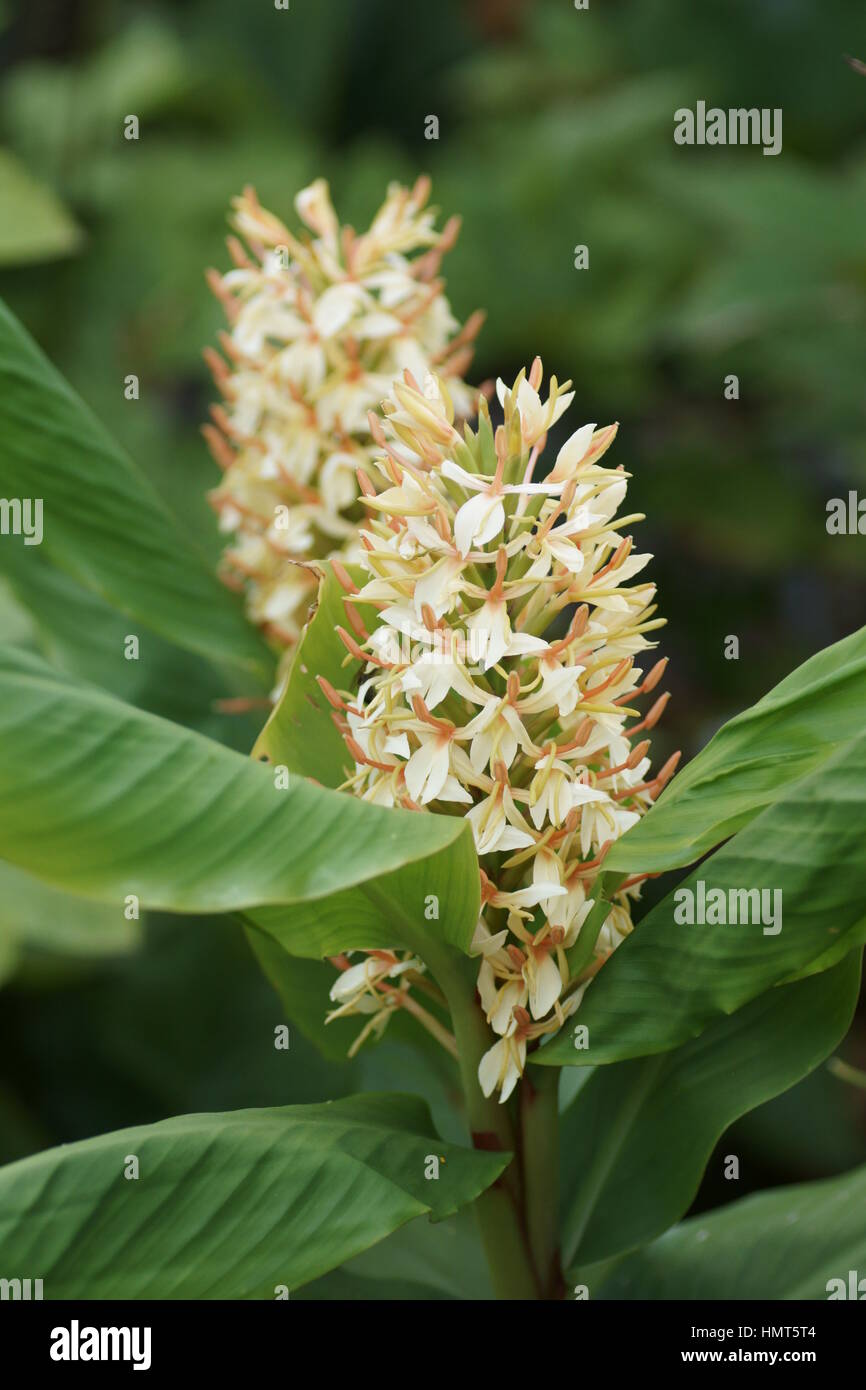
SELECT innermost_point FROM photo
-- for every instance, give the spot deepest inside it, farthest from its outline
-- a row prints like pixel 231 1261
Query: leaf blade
pixel 667 981
pixel 300 731
pixel 639 1133
pixel 102 521
pixel 229 1206
pixel 785 1244
pixel 105 800
pixel 795 727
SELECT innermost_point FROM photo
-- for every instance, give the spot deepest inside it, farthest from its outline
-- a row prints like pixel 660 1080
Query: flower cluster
pixel 500 683
pixel 319 328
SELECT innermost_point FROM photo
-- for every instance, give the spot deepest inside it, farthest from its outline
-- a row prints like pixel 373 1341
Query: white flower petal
pixel 545 987
pixel 572 451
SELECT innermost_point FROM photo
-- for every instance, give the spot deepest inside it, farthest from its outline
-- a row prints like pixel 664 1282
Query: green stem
pixel 539 1139
pixel 498 1211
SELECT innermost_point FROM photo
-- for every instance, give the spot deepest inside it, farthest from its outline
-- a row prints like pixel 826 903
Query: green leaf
pixel 34 224
pixel 302 986
pixel 300 731
pixel 390 909
pixel 785 1244
pixel 32 914
pixel 16 623
pixel 345 1285
pixel 232 1205
pixel 102 521
pixel 423 1259
pixel 853 938
pixel 668 981
pixel 794 729
pixel 78 632
pixel 637 1137
pixel 105 800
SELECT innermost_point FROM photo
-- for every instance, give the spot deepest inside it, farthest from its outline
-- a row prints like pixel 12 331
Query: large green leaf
pixel 637 1137
pixel 102 521
pixel 300 731
pixel 667 981
pixel 231 1205
pixel 784 1244
pixel 105 800
pixel 78 632
pixel 751 760
pixel 34 915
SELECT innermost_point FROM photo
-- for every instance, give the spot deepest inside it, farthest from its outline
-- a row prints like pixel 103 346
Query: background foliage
pixel 555 129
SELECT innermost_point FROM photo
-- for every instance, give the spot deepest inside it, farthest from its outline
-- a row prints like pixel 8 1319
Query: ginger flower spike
pixel 502 684
pixel 319 326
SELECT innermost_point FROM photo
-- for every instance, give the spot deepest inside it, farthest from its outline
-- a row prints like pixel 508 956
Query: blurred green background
pixel 555 129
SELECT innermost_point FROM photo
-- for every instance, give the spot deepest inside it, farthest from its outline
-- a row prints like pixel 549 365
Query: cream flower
pixel 467 557
pixel 319 328
pixel 502 1066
